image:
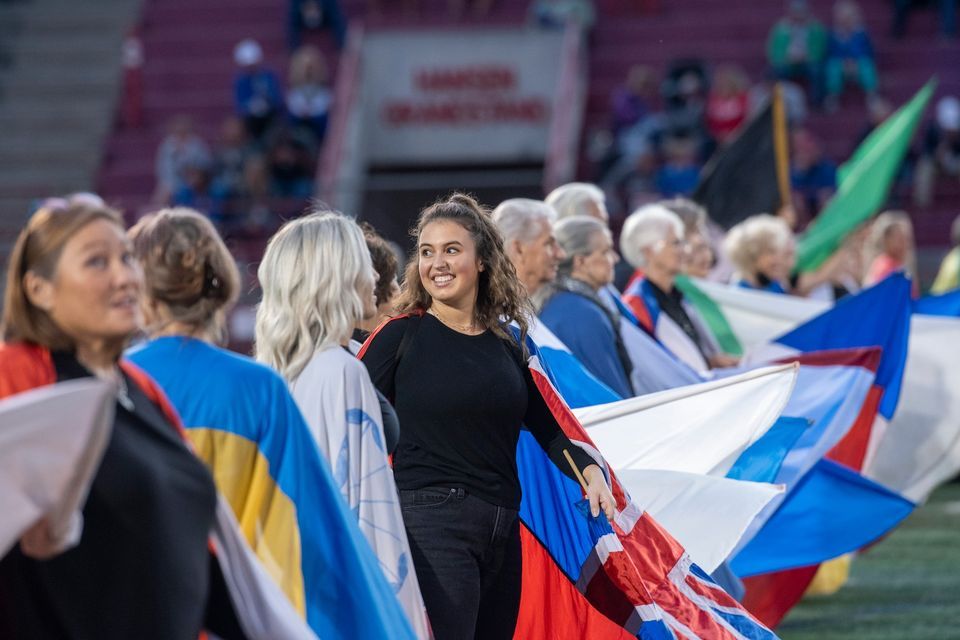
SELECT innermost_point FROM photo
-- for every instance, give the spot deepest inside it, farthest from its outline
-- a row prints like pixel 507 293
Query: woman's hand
pixel 598 493
pixel 37 542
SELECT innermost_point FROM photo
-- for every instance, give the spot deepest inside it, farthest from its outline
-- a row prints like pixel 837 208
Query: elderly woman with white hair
pixel 318 283
pixel 573 309
pixel 763 251
pixel 527 229
pixel 652 241
pixel 579 199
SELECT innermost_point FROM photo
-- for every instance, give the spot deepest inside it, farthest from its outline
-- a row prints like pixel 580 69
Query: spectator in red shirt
pixel 728 102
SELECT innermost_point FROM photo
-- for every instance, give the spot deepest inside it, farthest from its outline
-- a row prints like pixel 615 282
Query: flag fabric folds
pixel 285 501
pixel 632 572
pixel 857 510
pixel 51 444
pixel 878 316
pixel 920 448
pixel 641 300
pixel 945 304
pixel 708 515
pixel 700 428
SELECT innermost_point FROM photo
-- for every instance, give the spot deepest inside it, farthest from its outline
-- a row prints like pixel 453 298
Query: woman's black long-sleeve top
pixel 461 401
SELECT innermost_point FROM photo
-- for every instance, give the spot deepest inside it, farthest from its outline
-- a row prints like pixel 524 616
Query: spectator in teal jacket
pixel 850 54
pixel 797 46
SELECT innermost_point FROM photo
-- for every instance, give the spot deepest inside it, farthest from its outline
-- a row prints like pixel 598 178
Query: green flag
pixel 863 183
pixel 712 315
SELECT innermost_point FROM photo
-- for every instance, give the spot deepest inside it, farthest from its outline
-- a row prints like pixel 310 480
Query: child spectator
pixel 849 54
pixel 256 89
pixel 309 95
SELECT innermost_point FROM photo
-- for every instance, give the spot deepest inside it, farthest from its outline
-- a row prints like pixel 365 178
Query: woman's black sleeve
pixel 545 428
pixel 380 356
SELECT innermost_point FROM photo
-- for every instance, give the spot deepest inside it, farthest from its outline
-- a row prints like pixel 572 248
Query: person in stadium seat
pixel 181 149
pixel 850 54
pixel 813 176
pixel 797 47
pixel 940 151
pixel 308 93
pixel 256 89
pixel 314 15
pixel 727 103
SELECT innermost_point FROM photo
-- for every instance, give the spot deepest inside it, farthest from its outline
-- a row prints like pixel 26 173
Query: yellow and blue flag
pixel 245 425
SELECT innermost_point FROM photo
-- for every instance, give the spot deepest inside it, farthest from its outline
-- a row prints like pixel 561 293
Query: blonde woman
pixel 763 251
pixel 318 283
pixel 246 426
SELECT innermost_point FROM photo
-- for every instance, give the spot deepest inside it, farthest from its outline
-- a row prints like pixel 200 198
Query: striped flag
pixel 921 447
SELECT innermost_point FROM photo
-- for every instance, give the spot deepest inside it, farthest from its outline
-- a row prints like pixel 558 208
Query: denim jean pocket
pixel 426 498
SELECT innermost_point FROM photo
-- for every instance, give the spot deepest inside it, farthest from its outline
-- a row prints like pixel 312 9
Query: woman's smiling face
pixel 448 263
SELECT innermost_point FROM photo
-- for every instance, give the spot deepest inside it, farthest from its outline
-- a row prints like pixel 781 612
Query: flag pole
pixel 576 471
pixel 780 145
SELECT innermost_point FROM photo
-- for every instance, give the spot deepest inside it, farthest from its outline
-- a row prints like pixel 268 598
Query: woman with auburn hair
pixel 318 282
pixel 246 426
pixel 387 288
pixel 142 567
pixel 455 464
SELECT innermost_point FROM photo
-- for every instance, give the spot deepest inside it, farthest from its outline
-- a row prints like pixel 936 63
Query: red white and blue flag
pixel 585 577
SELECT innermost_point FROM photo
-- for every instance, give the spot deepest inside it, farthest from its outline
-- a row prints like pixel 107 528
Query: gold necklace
pixel 470 328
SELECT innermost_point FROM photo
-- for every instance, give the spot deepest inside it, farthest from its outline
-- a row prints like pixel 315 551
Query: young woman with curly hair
pixel 462 389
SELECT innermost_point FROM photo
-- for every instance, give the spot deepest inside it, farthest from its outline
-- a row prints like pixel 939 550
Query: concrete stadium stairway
pixel 57 94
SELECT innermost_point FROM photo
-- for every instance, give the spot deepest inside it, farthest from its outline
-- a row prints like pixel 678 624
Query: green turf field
pixel 907 587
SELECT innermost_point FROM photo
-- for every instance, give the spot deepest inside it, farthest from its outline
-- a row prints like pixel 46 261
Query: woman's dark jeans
pixel 467 555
